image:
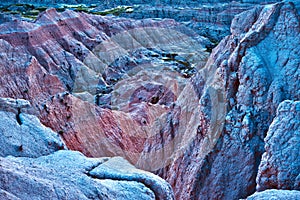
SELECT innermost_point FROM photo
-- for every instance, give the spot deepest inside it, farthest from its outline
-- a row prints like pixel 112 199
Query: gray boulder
pixel 22 134
pixel 70 175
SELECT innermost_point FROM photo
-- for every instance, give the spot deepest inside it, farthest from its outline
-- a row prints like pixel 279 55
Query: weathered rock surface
pixel 22 134
pixel 137 68
pixel 245 79
pixel 275 194
pixel 114 86
pixel 209 18
pixel 280 165
pixel 33 168
pixel 67 174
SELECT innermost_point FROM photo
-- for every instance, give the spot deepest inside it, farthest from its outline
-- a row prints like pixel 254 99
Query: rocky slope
pixel 253 70
pixel 75 61
pixel 140 89
pixel 33 166
pixel 66 65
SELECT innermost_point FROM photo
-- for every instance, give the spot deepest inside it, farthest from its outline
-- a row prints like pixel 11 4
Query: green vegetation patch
pixel 31 12
pixel 114 11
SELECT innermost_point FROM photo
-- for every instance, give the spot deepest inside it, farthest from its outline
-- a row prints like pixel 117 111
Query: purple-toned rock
pixel 280 165
pixel 120 87
pixel 245 79
pixel 139 67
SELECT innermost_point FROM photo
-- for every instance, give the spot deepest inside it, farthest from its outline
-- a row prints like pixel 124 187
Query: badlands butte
pixel 149 100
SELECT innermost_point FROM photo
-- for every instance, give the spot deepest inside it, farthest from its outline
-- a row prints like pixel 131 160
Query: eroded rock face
pixel 280 165
pixel 114 86
pixel 252 72
pixel 22 134
pixel 136 68
pixel 32 167
pixel 275 194
pixel 209 18
pixel 72 175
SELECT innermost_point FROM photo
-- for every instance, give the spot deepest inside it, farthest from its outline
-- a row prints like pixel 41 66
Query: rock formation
pixel 252 71
pixel 148 91
pixel 32 166
pixel 209 18
pixel 280 165
pixel 22 134
pixel 93 67
pixel 68 174
pixel 275 194
pixel 62 84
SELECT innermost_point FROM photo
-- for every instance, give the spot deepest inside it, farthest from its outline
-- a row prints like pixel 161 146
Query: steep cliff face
pixel 245 79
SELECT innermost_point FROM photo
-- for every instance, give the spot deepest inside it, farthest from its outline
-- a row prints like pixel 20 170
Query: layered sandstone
pixel 140 89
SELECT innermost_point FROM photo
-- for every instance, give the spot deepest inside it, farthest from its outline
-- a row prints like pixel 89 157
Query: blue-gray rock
pixel 67 175
pixel 275 195
pixel 119 169
pixel 245 79
pixel 22 134
pixel 280 165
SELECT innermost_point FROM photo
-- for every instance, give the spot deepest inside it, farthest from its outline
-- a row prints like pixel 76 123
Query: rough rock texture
pixel 67 174
pixel 137 68
pixel 114 86
pixel 280 165
pixel 275 194
pixel 120 169
pixel 247 76
pixel 62 174
pixel 22 134
pixel 209 18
